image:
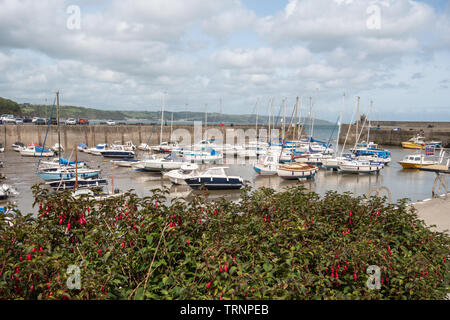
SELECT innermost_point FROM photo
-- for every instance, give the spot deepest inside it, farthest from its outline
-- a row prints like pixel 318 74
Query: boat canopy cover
pixel 39 149
pixel 67 162
pixel 83 146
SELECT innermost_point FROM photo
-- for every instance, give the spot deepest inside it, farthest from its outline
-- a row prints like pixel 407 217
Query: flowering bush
pixel 270 245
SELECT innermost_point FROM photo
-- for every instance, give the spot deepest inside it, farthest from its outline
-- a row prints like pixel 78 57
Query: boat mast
pixel 310 119
pixel 206 121
pixel 256 126
pixel 368 127
pixel 162 117
pixel 270 111
pixel 340 123
pixel 59 128
pixel 357 117
pixel 76 167
pixel 348 131
pixel 295 119
pixel 284 111
pixel 171 129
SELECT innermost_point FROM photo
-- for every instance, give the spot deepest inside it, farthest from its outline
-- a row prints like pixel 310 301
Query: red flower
pixel 29 256
pixel 355 277
pixel 123 244
pixel 208 285
pixel 187 242
pixel 220 270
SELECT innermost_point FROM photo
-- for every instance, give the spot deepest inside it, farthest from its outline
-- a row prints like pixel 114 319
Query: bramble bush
pixel 291 244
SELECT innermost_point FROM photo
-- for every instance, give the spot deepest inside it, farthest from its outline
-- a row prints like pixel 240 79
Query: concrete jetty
pixel 393 133
pixel 435 211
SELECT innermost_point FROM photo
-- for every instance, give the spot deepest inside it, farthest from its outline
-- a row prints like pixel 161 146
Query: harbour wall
pixel 393 133
pixel 92 135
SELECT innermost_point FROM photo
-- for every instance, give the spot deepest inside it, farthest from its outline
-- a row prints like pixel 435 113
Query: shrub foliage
pixel 291 244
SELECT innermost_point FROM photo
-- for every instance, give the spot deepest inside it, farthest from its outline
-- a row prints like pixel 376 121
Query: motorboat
pixel 360 166
pixel 215 179
pixel 17 146
pixel 164 147
pixel 416 142
pixel 96 151
pixel 202 156
pixel 295 171
pixel 96 195
pixel 35 151
pixel 333 163
pixel 186 171
pixel 155 164
pixel 144 147
pixel 117 151
pixel 82 147
pixel 81 183
pixel 268 166
pixel 416 161
pixel 7 191
pixel 312 158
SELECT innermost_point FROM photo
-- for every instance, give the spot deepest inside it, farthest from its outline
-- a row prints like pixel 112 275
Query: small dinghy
pixel 296 171
pixel 179 176
pixel 82 183
pixel 215 179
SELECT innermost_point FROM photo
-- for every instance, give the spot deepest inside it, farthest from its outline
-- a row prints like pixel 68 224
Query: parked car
pixel 71 121
pixel 4 117
pixel 83 121
pixel 39 121
pixel 11 120
pixel 397 129
pixel 111 123
pixel 27 120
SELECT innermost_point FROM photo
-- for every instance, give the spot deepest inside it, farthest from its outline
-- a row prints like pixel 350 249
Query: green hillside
pixel 44 111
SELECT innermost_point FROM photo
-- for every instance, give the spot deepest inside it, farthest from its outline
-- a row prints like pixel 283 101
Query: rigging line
pixel 46 133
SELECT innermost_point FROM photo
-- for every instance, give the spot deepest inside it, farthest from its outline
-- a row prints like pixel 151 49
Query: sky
pixel 124 54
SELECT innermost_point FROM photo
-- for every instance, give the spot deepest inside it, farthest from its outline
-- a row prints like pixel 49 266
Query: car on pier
pixel 71 121
pixel 83 121
pixel 39 122
pixel 111 123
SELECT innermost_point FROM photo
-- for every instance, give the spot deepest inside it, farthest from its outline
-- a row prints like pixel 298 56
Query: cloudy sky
pixel 123 54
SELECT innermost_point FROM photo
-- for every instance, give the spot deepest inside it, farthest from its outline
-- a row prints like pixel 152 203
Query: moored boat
pixel 360 166
pixel 180 175
pixel 81 183
pixel 416 161
pixel 215 179
pixel 295 171
pixel 35 151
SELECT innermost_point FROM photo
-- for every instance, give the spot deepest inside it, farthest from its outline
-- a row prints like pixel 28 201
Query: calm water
pixel 413 184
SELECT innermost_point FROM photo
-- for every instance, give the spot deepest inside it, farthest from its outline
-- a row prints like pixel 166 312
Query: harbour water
pixel 413 184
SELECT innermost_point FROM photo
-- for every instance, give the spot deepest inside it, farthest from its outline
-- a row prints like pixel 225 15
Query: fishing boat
pixel 416 142
pixel 180 175
pixel 7 191
pixel 268 166
pixel 117 151
pixel 155 164
pixel 296 171
pixel 67 173
pixel 35 151
pixel 81 183
pixel 360 166
pixel 416 161
pixel 17 146
pixel 215 179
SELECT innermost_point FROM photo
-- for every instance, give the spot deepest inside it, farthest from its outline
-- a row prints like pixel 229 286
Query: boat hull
pixel 295 175
pixel 216 183
pixel 411 145
pixel 70 184
pixel 52 176
pixel 117 154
